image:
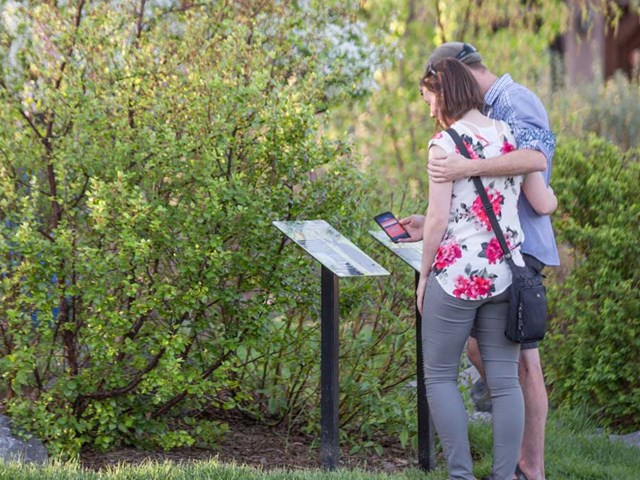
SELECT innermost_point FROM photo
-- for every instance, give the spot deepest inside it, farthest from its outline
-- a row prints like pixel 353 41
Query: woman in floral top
pixel 464 278
pixel 467 263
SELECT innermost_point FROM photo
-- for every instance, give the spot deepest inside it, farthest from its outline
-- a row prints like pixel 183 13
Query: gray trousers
pixel 446 323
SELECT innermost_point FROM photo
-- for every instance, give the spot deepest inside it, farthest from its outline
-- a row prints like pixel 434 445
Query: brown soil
pixel 249 443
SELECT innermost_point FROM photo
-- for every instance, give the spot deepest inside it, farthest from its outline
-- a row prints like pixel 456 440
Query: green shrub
pixel 592 353
pixel 144 156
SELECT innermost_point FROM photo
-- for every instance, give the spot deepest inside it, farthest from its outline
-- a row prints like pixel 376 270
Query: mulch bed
pixel 250 443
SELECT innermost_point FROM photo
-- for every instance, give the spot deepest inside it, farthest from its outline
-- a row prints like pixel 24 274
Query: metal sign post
pixel 329 382
pixel 338 258
pixel 411 253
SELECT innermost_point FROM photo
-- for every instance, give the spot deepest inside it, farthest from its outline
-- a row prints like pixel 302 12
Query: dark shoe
pixel 520 474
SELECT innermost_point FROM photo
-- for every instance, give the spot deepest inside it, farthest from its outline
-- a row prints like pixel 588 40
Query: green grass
pixel 201 471
pixel 574 452
pixel 197 471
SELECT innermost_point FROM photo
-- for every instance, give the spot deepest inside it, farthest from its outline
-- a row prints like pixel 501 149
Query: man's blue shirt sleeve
pixel 531 125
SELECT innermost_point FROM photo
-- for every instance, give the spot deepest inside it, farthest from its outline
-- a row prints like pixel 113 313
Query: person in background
pixel 509 101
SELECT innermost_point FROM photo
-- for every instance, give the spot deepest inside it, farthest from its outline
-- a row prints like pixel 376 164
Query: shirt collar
pixel 497 89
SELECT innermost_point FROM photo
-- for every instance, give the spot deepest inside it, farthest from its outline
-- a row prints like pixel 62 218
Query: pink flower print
pixel 472 154
pixel 477 209
pixel 493 251
pixel 437 136
pixel 461 286
pixel 447 254
pixel 473 287
pixel 479 287
pixel 507 147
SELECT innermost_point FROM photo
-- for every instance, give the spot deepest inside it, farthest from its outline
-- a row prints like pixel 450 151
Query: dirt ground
pixel 248 443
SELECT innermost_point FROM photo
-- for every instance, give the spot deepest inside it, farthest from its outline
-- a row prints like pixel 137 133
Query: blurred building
pixel 592 49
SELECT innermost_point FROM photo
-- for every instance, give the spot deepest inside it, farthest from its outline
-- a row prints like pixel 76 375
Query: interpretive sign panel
pixel 330 248
pixel 338 257
pixel 410 252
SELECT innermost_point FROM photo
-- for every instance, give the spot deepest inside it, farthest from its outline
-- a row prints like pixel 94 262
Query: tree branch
pixel 130 386
pixel 443 36
pixel 182 395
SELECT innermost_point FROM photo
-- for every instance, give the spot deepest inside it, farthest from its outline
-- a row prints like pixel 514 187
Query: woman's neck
pixel 474 116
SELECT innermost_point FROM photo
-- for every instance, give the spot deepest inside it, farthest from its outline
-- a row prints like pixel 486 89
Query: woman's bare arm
pixel 435 226
pixel 540 197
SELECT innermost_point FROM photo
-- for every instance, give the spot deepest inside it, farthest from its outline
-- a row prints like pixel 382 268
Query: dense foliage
pixel 146 149
pixel 592 352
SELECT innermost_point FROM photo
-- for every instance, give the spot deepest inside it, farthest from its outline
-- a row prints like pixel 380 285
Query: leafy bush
pixel 592 352
pixel 144 155
pixel 377 352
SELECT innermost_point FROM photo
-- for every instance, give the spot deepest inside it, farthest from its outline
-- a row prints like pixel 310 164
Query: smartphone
pixel 391 226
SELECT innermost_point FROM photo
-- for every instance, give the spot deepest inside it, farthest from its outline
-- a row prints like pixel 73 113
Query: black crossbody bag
pixel 527 314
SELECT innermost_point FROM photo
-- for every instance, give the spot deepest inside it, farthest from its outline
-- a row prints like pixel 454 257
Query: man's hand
pixel 448 168
pixel 413 224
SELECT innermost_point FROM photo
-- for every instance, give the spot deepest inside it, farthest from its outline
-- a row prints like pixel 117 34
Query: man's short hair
pixel 464 52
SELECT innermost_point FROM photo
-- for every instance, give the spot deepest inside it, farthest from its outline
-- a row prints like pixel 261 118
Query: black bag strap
pixel 488 208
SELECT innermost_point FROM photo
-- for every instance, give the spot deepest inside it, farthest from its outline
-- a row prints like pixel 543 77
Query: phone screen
pixel 390 225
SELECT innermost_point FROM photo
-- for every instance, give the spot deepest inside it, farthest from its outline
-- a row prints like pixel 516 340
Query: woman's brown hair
pixel 455 87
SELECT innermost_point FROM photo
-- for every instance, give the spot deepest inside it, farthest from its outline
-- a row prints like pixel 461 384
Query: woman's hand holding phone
pixel 414 225
pixel 389 223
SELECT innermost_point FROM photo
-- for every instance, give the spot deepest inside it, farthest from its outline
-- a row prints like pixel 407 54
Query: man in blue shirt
pixel 523 111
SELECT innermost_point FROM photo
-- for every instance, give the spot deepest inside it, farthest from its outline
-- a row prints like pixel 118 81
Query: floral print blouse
pixel 469 263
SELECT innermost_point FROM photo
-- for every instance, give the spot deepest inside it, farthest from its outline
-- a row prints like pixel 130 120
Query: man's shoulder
pixel 520 104
pixel 519 93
